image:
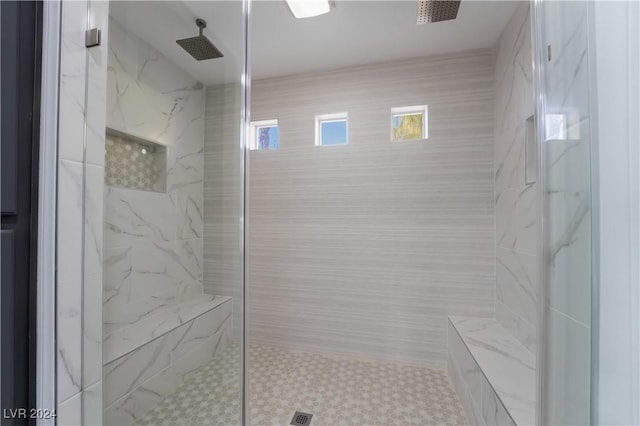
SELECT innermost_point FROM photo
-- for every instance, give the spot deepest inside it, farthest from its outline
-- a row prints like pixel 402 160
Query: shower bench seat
pixel 147 360
pixel 493 373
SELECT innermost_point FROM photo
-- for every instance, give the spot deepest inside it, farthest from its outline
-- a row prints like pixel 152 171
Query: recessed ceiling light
pixel 309 8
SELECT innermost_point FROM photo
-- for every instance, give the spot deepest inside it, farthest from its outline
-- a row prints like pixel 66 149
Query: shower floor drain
pixel 301 419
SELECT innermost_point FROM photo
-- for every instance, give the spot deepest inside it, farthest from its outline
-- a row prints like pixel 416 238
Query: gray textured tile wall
pixel 367 248
pixel 223 197
pixel 516 203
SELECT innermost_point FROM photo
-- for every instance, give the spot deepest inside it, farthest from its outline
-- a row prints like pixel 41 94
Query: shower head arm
pixel 202 24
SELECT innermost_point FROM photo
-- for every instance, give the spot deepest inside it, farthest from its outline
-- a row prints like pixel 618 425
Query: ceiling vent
pixel 437 10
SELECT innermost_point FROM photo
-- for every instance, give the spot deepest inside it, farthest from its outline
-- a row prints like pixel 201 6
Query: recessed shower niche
pixel 135 163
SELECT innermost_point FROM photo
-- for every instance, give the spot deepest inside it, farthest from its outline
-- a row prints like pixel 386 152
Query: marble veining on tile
pixel 516 202
pixel 138 216
pixel 508 366
pixel 80 214
pixel 516 282
pixel 519 327
pixel 153 240
pixel 165 352
pixel 568 90
pixel 133 336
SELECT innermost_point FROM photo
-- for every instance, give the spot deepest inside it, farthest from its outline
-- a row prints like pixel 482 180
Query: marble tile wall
pixel 129 338
pixel 516 203
pixel 366 248
pixel 80 207
pixel 139 379
pixel 153 240
pixel 568 174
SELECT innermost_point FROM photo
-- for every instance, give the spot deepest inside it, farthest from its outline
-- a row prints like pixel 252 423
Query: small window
pixel 331 129
pixel 264 135
pixel 409 123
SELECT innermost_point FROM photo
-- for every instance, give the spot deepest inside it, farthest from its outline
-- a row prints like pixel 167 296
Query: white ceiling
pixel 354 32
pixel 161 23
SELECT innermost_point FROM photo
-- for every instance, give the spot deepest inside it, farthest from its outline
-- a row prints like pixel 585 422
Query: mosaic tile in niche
pixel 134 163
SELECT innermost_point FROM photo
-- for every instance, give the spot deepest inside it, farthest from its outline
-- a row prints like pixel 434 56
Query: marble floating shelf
pixel 149 360
pixel 496 374
pixel 132 337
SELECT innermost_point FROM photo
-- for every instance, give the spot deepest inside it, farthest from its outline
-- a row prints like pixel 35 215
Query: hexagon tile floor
pixel 336 390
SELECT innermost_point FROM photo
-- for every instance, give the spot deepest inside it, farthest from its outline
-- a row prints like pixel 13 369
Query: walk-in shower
pixel 348 232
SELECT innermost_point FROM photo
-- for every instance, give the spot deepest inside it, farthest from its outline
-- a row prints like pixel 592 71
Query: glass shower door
pixel 162 308
pixel 566 172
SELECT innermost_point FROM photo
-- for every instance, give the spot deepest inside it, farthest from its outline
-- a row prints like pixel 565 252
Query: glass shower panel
pixel 163 214
pixel 93 253
pixel 567 241
pixel 360 247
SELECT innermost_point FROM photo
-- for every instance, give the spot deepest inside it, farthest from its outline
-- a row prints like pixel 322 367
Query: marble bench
pixel 492 372
pixel 146 361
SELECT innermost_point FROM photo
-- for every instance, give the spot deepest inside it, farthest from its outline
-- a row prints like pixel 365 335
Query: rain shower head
pixel 199 46
pixel 437 10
